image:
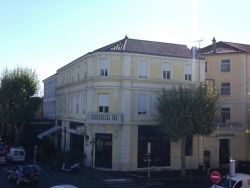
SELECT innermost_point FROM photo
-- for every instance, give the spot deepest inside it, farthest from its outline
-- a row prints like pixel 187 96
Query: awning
pixel 49 131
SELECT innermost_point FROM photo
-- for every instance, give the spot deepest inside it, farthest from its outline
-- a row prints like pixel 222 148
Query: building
pixel 227 68
pixel 49 99
pixel 105 103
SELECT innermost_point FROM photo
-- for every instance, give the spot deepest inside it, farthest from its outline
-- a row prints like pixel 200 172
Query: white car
pixel 64 186
pixel 16 154
pixel 238 181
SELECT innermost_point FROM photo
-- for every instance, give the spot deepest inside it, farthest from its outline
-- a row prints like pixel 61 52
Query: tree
pixel 18 103
pixel 186 111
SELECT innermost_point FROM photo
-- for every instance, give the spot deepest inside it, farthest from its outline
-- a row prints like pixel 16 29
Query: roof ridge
pixel 157 42
pixel 232 44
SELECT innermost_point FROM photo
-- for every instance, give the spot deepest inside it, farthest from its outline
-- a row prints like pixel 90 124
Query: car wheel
pixel 18 182
pixel 9 177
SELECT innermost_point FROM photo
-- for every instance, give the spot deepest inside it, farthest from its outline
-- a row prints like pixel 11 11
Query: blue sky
pixel 47 34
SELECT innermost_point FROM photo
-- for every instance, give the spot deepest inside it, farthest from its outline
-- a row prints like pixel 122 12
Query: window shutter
pixel 142 69
pixel 103 100
pixel 188 69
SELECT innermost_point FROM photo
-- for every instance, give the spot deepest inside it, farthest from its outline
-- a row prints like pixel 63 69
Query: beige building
pixel 108 96
pixel 227 67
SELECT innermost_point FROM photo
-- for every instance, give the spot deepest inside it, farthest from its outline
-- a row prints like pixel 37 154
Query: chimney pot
pixel 214 46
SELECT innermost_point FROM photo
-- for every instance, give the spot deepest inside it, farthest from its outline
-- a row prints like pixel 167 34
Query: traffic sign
pixel 215 176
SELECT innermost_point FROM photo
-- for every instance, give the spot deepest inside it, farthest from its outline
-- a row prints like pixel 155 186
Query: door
pixel 224 151
pixel 103 150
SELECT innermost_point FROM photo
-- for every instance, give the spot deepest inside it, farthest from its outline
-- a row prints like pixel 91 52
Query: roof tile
pixel 147 47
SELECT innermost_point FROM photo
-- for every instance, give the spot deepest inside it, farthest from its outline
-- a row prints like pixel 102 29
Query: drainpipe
pixel 247 119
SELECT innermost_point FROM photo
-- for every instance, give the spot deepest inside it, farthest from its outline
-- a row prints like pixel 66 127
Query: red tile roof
pixel 226 47
pixel 147 47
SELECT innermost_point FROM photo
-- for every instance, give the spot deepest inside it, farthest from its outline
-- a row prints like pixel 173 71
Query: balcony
pixel 103 118
pixel 230 126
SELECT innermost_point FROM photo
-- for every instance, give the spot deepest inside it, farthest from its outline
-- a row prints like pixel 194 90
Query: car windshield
pixel 226 183
pixel 29 169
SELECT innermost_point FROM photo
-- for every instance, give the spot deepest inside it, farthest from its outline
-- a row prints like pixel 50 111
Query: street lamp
pixel 92 142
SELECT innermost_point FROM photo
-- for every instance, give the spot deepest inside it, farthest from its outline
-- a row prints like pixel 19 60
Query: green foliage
pixel 17 103
pixel 186 111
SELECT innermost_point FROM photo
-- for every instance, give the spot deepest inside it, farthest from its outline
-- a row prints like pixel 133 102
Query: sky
pixel 45 35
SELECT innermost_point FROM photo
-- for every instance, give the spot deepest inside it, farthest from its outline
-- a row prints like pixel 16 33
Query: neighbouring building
pixel 108 96
pixel 49 111
pixel 228 69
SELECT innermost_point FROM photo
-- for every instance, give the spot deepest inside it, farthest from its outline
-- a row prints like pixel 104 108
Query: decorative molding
pixel 115 95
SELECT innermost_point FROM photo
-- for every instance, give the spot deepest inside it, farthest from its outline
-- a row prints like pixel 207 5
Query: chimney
pixel 214 46
pixel 194 52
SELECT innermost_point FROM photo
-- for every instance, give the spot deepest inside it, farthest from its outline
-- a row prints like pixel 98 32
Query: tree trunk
pixel 183 157
pixel 18 133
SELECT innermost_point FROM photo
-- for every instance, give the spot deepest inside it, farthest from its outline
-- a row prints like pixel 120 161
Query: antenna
pixel 199 41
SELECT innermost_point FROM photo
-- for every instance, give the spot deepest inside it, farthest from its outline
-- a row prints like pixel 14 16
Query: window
pixel 104 67
pixel 142 104
pixel 85 70
pixel 225 115
pixel 189 146
pixel 104 103
pixel 225 65
pixel 84 104
pixel 78 72
pixel 166 71
pixel 143 69
pixel 188 72
pixel 71 104
pixel 206 66
pixel 77 104
pixel 225 88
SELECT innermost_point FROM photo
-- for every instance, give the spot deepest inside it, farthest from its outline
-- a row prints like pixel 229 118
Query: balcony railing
pixel 230 126
pixel 104 118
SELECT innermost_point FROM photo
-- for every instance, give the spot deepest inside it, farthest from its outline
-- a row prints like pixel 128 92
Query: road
pixel 48 180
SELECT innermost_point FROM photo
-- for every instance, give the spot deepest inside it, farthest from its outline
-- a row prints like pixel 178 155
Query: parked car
pixel 2 158
pixel 24 174
pixel 5 149
pixel 64 186
pixel 16 154
pixel 237 181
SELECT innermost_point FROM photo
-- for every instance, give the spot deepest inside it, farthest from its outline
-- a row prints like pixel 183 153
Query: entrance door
pixel 103 150
pixel 224 151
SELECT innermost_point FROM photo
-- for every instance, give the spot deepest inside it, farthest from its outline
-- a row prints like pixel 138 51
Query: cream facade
pixel 227 68
pixel 108 96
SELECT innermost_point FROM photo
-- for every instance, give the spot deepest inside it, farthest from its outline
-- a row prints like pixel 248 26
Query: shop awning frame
pixel 49 131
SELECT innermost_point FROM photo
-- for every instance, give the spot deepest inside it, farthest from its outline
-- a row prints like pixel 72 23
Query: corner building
pixel 108 96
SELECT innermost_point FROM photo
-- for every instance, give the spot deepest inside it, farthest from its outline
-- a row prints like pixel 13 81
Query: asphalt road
pixel 47 180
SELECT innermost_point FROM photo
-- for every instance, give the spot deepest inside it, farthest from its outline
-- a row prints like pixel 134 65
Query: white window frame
pixel 166 71
pixel 85 69
pixel 225 65
pixel 84 103
pixel 103 102
pixel 188 72
pixel 142 104
pixel 77 104
pixel 225 88
pixel 142 69
pixel 225 112
pixel 71 104
pixel 104 67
